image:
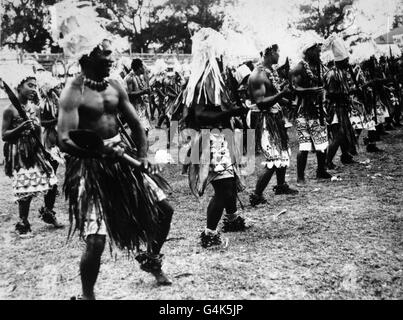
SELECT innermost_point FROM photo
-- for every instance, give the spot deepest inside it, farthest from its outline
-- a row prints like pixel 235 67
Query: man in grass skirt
pixel 339 87
pixel 107 196
pixel 267 92
pixel 213 152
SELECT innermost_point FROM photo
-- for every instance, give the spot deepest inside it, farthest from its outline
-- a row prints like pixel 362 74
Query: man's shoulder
pixel 74 83
pixel 116 84
pixel 257 75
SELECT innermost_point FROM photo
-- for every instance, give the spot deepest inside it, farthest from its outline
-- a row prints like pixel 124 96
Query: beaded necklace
pixel 308 70
pixel 96 85
pixel 273 77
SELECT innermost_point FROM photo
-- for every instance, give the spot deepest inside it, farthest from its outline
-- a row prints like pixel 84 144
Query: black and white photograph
pixel 223 151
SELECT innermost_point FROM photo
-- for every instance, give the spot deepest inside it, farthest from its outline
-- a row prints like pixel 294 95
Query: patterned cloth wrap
pixel 25 163
pixel 359 117
pixel 217 155
pixel 221 163
pixel 274 140
pixel 110 197
pixel 311 135
pixel 271 128
pixel 384 105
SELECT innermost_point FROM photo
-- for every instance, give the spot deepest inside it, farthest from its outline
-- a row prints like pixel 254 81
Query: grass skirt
pixel 126 200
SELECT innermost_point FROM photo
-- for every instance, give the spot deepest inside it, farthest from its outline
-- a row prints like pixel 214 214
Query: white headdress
pixel 159 69
pixel 241 73
pixel 309 39
pixel 46 81
pixel 14 74
pixel 338 47
pixel 208 45
pixel 76 27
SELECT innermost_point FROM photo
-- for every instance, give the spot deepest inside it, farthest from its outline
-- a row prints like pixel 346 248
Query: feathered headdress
pixel 159 69
pixel 77 28
pixel 338 47
pixel 308 39
pixel 15 74
pixel 46 81
pixel 208 45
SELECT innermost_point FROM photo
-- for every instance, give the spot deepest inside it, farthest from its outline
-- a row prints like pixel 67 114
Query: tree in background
pixel 175 20
pixel 129 18
pixel 324 17
pixel 398 18
pixel 23 24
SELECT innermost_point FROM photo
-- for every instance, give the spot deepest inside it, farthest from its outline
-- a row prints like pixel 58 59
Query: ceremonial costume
pixel 311 129
pixel 340 104
pixel 25 163
pixel 122 201
pixel 214 153
pixel 273 138
pixel 141 104
pixel 47 85
pixel 361 115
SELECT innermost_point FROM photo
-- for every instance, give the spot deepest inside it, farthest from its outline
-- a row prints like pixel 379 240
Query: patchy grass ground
pixel 337 240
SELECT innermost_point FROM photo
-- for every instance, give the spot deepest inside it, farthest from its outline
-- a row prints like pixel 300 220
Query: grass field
pixel 337 240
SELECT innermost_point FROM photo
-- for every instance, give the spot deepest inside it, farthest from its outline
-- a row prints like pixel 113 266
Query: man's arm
pixel 132 90
pixel 132 119
pixel 258 92
pixel 296 78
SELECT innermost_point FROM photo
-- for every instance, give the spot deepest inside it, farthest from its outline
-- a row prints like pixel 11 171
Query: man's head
pixel 137 66
pixel 99 62
pixel 27 88
pixel 313 53
pixel 271 55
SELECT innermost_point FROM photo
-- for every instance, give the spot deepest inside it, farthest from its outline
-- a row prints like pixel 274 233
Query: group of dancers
pixel 100 124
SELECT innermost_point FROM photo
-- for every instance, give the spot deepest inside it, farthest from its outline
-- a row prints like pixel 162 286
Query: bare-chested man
pixel 106 195
pixel 268 93
pixel 311 126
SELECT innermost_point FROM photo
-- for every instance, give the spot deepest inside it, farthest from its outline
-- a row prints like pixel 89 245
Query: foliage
pixel 174 30
pixel 167 27
pixel 23 24
pixel 129 18
pixel 324 18
pixel 398 18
